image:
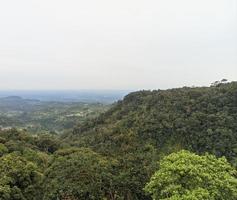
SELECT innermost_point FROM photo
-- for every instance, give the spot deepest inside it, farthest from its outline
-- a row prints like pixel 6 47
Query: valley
pixel 46 116
pixel 163 144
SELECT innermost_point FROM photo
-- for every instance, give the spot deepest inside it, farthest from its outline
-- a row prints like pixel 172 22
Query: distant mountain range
pixel 92 96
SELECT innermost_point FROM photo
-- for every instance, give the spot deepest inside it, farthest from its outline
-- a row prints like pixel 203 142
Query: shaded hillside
pixel 202 119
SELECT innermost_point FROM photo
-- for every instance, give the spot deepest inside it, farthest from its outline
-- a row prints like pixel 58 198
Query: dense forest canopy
pixel 123 153
pixel 200 119
pixel 184 176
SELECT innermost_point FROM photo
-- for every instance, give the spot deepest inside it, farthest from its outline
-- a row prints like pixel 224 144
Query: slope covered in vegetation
pixel 115 155
pixel 202 119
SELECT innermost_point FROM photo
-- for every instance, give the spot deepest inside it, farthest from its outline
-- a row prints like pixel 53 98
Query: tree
pixel 187 176
pixel 76 173
pixel 47 143
pixel 19 179
pixel 3 149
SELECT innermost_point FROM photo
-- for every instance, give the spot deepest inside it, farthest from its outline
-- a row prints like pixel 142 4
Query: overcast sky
pixel 116 44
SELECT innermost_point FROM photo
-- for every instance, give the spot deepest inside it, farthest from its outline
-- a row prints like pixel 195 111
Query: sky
pixel 118 45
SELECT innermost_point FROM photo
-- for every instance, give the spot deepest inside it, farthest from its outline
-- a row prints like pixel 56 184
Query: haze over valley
pixel 118 100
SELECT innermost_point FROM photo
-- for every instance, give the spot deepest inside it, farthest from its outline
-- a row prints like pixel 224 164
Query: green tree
pixel 19 179
pixel 75 174
pixel 187 176
pixel 47 143
pixel 3 149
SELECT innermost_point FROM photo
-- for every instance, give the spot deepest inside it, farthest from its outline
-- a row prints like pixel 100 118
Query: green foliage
pixel 197 119
pixel 39 158
pixel 114 155
pixel 131 171
pixel 3 149
pixel 19 179
pixel 16 140
pixel 76 173
pixel 187 176
pixel 47 143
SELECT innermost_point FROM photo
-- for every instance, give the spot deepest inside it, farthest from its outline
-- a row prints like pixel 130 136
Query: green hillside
pixel 200 119
pixel 176 136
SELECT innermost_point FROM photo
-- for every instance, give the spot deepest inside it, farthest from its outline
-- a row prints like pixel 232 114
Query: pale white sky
pixel 111 44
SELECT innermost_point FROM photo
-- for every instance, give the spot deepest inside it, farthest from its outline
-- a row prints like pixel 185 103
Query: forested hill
pixel 200 119
pixel 137 150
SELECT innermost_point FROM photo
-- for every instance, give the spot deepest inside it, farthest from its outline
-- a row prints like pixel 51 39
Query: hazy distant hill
pixel 16 103
pixel 38 116
pixel 91 96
